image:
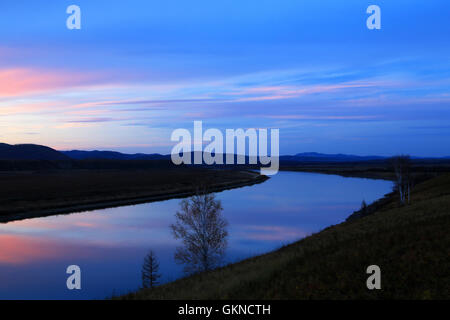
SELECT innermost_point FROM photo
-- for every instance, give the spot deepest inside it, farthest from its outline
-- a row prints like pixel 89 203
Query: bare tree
pixel 403 179
pixel 202 228
pixel 150 271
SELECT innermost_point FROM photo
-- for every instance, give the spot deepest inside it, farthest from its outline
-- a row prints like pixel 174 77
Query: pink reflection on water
pixel 16 249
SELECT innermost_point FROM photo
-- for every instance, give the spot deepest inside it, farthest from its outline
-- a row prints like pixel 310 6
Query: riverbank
pixel 38 194
pixel 409 243
pixel 421 169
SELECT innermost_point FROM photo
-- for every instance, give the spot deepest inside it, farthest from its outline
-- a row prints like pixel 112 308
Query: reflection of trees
pixel 201 227
pixel 150 271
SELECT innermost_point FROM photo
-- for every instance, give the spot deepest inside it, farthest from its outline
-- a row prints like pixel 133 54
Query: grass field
pixel 25 194
pixel 410 244
pixel 381 169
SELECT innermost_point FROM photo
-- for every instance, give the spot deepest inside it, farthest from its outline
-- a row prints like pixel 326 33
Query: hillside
pixel 29 152
pixel 410 244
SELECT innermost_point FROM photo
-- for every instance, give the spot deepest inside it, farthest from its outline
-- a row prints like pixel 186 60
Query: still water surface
pixel 110 244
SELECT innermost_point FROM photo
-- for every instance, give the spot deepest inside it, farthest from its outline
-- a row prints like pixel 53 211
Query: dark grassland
pixel 421 169
pixel 34 193
pixel 410 244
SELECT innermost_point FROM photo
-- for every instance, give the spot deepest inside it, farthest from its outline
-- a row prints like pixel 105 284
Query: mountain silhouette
pixel 39 152
pixel 111 155
pixel 29 152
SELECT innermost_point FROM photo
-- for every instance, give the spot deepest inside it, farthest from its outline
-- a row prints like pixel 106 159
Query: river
pixel 109 245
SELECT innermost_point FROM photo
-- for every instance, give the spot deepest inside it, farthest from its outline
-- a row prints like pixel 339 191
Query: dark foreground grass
pixel 410 244
pixel 25 194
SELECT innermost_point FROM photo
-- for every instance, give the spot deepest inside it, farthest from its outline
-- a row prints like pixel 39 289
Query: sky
pixel 139 69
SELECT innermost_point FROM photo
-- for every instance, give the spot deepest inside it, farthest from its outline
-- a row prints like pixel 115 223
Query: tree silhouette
pixel 150 271
pixel 202 229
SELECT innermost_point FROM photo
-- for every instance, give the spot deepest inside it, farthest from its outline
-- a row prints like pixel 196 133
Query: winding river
pixel 109 245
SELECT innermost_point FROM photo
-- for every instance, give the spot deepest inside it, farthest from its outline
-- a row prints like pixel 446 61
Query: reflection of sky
pixel 140 68
pixel 109 245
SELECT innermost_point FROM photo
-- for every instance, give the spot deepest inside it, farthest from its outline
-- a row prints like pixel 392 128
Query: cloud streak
pixel 18 82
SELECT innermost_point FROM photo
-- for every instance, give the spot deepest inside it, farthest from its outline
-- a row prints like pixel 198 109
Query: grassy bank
pixel 27 194
pixel 410 244
pixel 378 169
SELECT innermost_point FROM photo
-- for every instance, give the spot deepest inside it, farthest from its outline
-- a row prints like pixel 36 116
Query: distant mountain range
pixel 300 157
pixel 29 152
pixel 111 155
pixel 38 152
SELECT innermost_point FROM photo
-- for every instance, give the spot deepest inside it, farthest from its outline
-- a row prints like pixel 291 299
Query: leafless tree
pixel 403 179
pixel 201 227
pixel 150 271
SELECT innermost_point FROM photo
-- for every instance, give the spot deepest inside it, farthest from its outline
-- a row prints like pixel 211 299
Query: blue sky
pixel 139 69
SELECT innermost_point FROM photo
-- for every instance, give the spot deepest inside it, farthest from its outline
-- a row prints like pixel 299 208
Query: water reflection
pixel 109 245
pixel 203 231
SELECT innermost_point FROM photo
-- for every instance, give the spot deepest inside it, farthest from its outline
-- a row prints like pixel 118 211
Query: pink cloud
pixel 21 81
